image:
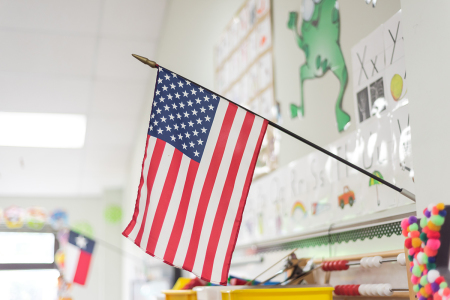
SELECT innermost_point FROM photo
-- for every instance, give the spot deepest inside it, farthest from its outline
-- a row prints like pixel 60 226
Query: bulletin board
pixel 316 190
pixel 244 71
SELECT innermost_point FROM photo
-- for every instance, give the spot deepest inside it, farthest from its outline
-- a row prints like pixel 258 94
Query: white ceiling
pixel 75 57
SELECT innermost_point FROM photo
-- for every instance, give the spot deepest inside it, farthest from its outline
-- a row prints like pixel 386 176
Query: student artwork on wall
pixel 14 217
pixel 379 84
pixel 315 191
pixel 35 218
pixel 244 71
pixel 318 38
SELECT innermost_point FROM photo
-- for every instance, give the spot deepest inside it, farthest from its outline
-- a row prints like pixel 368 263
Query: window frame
pixel 31 266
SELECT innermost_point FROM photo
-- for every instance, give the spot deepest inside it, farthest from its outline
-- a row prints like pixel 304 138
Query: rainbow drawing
pixel 298 206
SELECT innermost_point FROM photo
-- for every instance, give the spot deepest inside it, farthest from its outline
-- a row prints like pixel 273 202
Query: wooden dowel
pixel 383 254
pixel 411 294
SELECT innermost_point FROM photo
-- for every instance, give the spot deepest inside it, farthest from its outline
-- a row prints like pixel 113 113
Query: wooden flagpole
pixel 402 191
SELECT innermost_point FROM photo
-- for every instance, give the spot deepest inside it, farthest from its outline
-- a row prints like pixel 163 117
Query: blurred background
pixel 74 109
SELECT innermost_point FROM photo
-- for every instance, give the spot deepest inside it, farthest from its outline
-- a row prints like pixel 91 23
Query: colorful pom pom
pixel 416 242
pixel 404 224
pixel 423 222
pixel 432 276
pixel 429 251
pixel 416 271
pixel 431 226
pixel 434 211
pixel 434 235
pixel 434 244
pixel 428 289
pixel 414 234
pixel 412 219
pixel 422 250
pixel 439 279
pixel 437 220
pixel 408 243
pixel 414 227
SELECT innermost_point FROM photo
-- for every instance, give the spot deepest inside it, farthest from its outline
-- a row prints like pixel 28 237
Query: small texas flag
pixel 78 258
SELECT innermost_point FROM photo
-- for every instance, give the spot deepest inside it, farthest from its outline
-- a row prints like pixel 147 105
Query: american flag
pixel 198 164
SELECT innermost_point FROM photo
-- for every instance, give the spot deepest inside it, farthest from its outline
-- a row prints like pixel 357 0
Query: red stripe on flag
pixel 237 223
pixel 131 225
pixel 164 200
pixel 83 267
pixel 208 186
pixel 178 225
pixel 152 170
pixel 226 195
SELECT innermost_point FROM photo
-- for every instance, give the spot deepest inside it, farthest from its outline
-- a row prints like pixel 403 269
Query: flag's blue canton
pixel 182 114
pixel 89 244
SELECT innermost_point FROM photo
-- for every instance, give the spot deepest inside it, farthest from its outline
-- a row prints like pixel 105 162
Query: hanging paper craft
pixel 64 289
pixel 113 214
pixel 83 228
pixel 59 219
pixel 63 236
pixel 77 258
pixel 14 217
pixel 60 258
pixel 35 218
pixel 198 165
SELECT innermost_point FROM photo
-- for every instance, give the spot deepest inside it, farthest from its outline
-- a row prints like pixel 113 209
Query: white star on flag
pixel 81 241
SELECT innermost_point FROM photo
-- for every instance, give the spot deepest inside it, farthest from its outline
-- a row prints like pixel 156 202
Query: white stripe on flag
pixel 151 145
pixel 172 210
pixel 158 185
pixel 236 196
pixel 217 190
pixel 199 181
pixel 72 256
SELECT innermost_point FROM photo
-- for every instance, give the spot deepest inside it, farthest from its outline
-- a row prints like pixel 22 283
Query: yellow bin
pixel 312 293
pixel 180 295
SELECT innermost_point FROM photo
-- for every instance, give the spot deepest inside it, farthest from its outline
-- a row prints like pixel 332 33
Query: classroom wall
pixel 104 278
pixel 426 55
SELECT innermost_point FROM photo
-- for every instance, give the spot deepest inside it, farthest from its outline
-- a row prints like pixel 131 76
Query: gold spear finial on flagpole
pixel 146 61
